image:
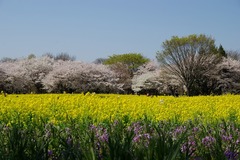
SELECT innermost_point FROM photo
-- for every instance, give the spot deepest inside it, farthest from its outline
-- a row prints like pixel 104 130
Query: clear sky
pixel 91 29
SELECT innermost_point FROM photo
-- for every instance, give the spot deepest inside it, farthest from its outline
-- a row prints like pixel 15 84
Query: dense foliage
pixel 45 74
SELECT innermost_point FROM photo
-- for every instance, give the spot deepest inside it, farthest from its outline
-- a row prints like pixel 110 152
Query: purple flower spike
pixel 104 137
pixel 231 155
pixel 50 152
pixel 136 139
pixel 208 141
pixel 184 148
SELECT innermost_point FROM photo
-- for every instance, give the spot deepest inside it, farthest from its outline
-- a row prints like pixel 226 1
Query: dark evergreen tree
pixel 221 51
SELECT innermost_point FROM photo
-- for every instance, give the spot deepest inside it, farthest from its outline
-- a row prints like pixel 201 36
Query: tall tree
pixel 190 59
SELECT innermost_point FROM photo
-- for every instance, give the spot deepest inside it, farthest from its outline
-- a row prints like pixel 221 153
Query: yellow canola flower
pixel 60 108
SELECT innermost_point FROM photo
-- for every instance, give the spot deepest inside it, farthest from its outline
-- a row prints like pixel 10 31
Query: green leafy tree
pixel 221 51
pixel 190 59
pixel 130 60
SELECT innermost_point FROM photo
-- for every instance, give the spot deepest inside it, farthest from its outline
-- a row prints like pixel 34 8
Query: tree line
pixel 191 65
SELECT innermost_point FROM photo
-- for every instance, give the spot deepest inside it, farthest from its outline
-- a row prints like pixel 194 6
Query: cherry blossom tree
pixel 74 76
pixel 14 81
pixel 45 74
pixel 25 75
pixel 147 80
pixel 37 69
pixel 2 79
pixel 226 78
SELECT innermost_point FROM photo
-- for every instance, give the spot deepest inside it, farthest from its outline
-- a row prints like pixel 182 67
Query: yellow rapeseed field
pixel 59 108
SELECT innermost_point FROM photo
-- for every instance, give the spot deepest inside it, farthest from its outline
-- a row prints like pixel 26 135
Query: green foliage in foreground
pixel 120 139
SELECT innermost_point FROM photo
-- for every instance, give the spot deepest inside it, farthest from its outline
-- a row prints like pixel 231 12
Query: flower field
pixel 93 126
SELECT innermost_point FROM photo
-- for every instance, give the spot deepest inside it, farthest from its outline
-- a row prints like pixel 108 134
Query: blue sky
pixel 91 29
